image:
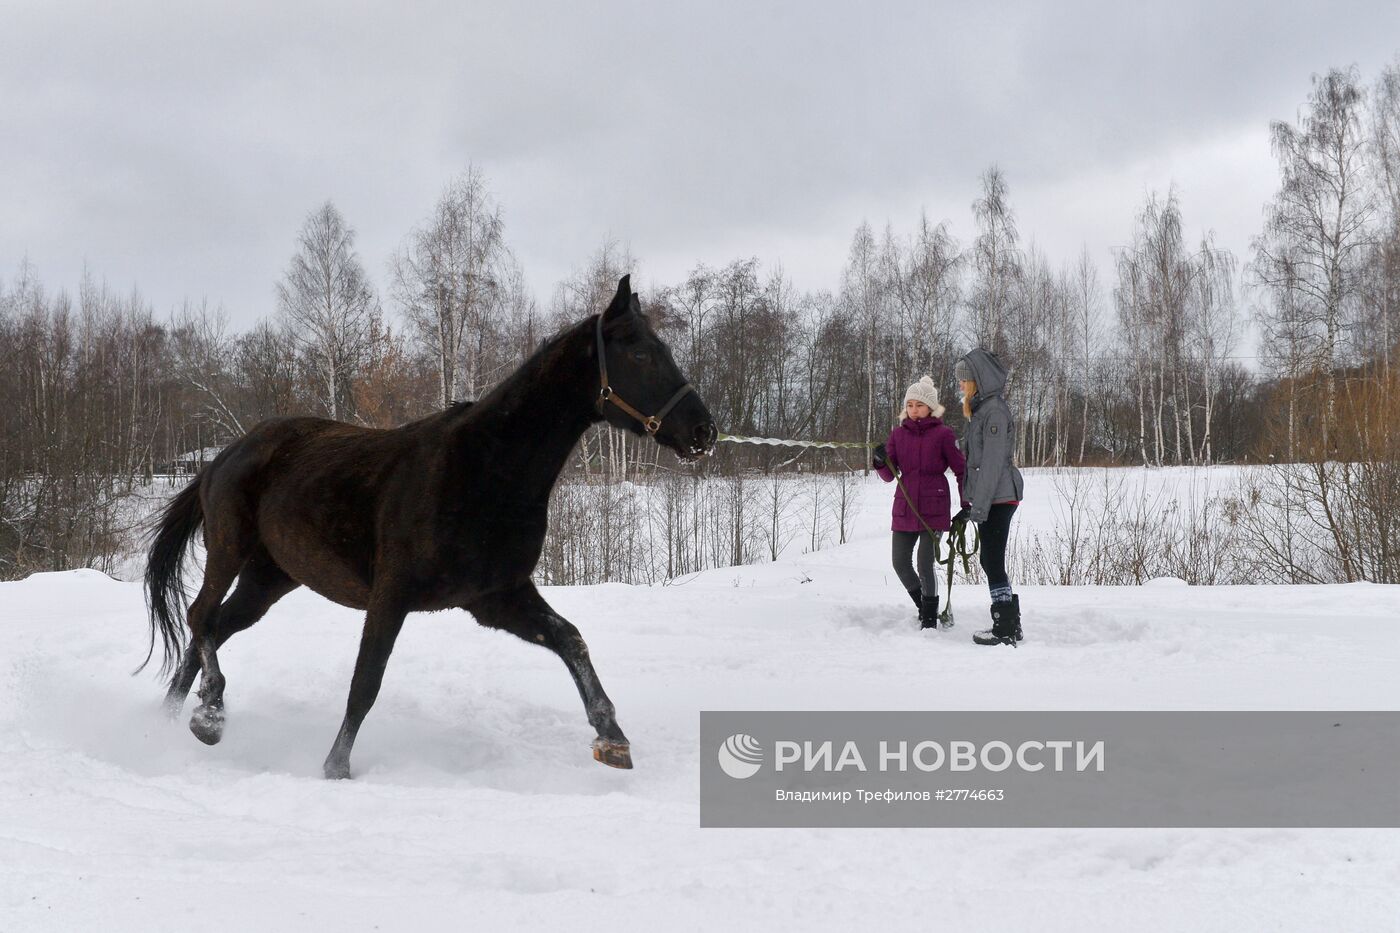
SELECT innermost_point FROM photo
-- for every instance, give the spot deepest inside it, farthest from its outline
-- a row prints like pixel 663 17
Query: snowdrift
pixel 476 803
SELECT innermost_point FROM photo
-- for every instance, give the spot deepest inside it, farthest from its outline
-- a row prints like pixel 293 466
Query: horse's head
pixel 642 388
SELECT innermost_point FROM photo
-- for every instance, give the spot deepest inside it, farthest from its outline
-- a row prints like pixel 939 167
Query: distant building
pixel 188 463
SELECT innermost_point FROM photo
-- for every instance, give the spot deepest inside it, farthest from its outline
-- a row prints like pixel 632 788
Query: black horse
pixel 444 512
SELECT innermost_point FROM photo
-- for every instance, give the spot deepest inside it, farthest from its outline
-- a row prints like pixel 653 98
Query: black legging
pixel 902 553
pixel 994 531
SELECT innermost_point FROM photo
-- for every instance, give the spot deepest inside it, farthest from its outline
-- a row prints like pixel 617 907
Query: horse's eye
pixel 640 356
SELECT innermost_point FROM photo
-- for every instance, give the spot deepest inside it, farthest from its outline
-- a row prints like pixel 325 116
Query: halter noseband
pixel 606 394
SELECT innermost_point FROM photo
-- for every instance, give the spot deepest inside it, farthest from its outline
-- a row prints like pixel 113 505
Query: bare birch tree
pixel 448 280
pixel 1317 229
pixel 996 263
pixel 923 276
pixel 202 351
pixel 1212 328
pixel 329 305
pixel 1288 343
pixel 1380 326
pixel 1087 300
pixel 860 296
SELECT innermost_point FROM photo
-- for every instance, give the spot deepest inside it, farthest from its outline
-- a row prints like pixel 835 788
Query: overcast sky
pixel 179 148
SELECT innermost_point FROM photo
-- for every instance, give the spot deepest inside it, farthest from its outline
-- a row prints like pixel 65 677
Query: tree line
pixel 1136 363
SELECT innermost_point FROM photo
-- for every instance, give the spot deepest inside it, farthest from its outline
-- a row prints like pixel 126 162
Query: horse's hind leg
pixel 524 613
pixel 207 723
pixel 182 681
pixel 260 584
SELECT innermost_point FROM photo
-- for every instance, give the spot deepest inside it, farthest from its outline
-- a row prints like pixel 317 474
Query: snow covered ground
pixel 476 804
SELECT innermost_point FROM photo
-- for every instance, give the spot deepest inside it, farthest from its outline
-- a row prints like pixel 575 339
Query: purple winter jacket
pixel 923 450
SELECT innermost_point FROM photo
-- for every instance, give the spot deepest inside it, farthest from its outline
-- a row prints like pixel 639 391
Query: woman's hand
pixel 879 457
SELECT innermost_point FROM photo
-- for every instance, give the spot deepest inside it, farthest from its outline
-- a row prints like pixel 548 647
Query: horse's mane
pixel 545 356
pixel 527 370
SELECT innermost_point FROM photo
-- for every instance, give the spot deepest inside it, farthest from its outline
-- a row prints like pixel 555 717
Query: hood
pixel 920 425
pixel 987 371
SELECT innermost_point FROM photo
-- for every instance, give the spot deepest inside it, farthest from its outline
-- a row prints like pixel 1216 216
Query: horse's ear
pixel 622 301
pixel 635 305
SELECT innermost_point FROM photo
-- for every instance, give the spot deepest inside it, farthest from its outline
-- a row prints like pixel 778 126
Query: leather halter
pixel 652 423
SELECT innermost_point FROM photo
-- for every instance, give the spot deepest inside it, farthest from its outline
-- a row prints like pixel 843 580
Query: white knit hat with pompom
pixel 924 391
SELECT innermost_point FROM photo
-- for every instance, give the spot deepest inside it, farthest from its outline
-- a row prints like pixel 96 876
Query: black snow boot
pixel 1006 624
pixel 928 612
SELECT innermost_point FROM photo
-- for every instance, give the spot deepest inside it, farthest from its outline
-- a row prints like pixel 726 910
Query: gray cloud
pixel 180 149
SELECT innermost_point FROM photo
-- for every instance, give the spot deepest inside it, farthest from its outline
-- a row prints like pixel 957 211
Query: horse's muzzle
pixel 702 441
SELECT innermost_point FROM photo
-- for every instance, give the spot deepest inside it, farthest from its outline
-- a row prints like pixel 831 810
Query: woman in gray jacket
pixel 993 488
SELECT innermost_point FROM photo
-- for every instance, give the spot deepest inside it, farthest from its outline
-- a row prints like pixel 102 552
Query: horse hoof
pixel 207 725
pixel 613 754
pixel 336 771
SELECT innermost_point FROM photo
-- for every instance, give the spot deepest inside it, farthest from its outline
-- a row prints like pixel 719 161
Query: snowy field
pixel 476 804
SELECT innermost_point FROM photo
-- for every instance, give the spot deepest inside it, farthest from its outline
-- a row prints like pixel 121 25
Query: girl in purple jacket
pixel 920 452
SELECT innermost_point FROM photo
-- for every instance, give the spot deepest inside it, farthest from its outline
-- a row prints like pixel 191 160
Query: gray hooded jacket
pixel 990 439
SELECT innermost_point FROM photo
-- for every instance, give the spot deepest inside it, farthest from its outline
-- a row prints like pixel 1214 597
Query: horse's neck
pixel 535 418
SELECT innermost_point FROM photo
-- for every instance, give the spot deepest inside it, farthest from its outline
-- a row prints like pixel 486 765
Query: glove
pixel 879 457
pixel 961 518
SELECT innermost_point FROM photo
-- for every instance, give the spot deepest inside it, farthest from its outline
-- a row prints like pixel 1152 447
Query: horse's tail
pixel 166 596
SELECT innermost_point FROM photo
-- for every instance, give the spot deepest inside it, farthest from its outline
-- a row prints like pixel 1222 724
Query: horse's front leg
pixel 524 613
pixel 382 624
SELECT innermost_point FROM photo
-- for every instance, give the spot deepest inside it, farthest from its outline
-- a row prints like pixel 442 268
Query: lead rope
pixel 957 535
pixel 780 442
